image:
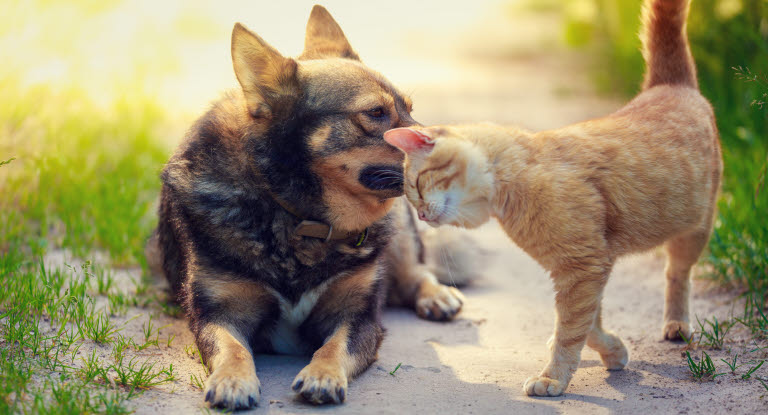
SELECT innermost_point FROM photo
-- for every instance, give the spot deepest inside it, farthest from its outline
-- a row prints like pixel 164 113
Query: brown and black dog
pixel 279 227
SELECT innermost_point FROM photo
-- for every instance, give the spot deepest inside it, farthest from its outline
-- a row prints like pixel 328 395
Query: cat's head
pixel 447 176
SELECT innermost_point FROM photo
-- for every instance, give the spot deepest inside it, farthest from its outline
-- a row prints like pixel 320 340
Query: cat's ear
pixel 409 140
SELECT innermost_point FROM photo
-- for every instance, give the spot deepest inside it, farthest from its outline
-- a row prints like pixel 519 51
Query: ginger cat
pixel 579 197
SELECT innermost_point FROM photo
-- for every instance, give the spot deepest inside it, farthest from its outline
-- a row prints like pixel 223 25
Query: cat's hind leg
pixel 579 288
pixel 683 252
pixel 612 350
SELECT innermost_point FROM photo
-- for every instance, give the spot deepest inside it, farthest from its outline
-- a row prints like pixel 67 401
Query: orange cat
pixel 579 197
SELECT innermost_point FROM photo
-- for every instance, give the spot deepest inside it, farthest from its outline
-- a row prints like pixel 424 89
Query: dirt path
pixel 478 363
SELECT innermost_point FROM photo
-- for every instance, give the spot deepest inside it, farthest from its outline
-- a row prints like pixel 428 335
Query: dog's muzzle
pixel 383 178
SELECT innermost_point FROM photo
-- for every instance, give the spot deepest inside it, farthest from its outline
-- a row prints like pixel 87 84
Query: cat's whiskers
pixel 461 219
pixel 447 257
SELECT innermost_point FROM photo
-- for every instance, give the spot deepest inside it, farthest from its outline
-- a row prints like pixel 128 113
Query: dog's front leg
pixel 347 352
pixel 225 314
pixel 346 324
pixel 233 383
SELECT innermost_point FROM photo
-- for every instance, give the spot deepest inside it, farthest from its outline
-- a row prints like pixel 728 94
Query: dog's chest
pixel 285 338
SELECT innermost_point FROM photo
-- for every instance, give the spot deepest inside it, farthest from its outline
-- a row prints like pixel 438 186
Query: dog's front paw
pixel 436 301
pixel 233 388
pixel 677 330
pixel 543 386
pixel 321 382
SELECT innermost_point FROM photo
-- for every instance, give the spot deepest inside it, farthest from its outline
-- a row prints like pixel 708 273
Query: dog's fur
pixel 579 197
pixel 304 133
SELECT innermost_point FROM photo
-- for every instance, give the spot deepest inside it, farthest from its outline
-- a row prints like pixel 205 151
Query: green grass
pixel 730 45
pixel 396 367
pixel 141 375
pixel 712 333
pixel 83 177
pixel 703 369
pixel 80 174
pixel 197 381
pixel 732 363
pixel 752 370
pixel 46 317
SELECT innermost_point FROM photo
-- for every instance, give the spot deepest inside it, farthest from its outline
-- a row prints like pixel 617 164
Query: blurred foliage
pixel 83 177
pixel 729 40
pixel 83 128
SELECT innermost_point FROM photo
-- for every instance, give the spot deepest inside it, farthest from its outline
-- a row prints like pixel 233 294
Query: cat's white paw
pixel 676 330
pixel 439 302
pixel 543 386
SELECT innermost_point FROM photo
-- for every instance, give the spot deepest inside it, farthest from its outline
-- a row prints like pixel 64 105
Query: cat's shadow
pixel 628 382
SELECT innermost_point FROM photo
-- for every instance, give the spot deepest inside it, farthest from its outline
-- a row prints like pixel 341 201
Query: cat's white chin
pixel 469 223
pixel 433 224
pixel 471 214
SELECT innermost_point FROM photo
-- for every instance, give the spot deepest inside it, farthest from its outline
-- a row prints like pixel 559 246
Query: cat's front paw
pixel 543 386
pixel 677 330
pixel 233 388
pixel 321 382
pixel 438 302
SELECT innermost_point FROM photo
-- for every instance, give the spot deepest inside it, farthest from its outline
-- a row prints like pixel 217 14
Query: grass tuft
pixel 752 370
pixel 732 363
pixel 134 376
pixel 712 333
pixel 196 381
pixel 98 328
pixel 704 369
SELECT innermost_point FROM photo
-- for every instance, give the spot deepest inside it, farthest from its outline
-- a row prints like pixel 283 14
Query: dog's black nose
pixel 382 177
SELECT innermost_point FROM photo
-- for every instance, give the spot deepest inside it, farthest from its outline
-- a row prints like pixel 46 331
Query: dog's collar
pixel 320 230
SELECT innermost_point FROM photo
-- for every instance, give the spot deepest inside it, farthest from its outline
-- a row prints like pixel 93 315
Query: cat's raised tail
pixel 665 44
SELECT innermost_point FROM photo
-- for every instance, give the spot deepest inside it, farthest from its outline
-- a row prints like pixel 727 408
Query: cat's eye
pixel 377 112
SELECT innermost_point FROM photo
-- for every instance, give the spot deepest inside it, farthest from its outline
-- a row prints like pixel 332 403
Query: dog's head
pixel 320 119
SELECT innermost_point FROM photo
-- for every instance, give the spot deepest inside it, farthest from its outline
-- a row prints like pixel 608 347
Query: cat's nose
pixel 422 215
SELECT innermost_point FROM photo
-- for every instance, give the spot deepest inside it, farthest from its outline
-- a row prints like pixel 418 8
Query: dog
pixel 281 228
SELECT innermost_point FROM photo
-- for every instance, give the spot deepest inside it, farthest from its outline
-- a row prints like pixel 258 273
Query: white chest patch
pixel 285 337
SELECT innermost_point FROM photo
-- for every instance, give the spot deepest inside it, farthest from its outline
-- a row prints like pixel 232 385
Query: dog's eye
pixel 377 112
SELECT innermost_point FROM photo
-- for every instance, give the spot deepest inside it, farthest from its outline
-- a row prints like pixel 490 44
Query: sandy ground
pixel 478 363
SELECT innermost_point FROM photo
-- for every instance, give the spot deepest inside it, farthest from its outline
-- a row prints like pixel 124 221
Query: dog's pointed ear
pixel 324 38
pixel 268 79
pixel 410 141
